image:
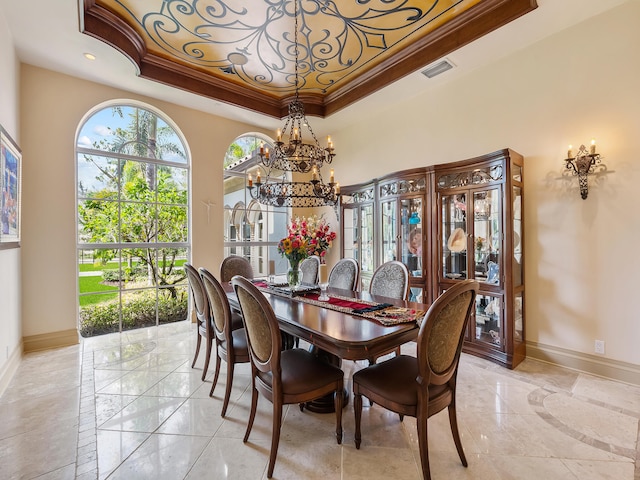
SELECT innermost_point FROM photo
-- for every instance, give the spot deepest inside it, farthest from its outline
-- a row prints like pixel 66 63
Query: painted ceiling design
pixel 244 52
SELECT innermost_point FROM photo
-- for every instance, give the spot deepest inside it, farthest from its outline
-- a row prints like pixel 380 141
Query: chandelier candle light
pixel 295 156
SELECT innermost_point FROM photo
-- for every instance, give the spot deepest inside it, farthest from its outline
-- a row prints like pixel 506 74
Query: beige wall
pixel 53 106
pixel 581 261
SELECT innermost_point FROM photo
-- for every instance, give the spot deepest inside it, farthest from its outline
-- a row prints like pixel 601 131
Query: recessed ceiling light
pixel 438 68
pixel 89 56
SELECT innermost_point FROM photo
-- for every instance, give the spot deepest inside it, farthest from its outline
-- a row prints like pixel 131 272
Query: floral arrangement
pixel 319 236
pixel 306 236
pixel 480 241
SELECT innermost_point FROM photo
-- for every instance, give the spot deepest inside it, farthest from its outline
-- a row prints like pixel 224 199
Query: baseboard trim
pixel 584 362
pixel 10 367
pixel 45 341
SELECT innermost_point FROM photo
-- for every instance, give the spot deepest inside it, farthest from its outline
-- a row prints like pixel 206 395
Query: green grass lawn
pixel 93 284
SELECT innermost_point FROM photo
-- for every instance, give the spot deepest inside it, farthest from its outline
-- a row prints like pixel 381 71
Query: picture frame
pixel 10 191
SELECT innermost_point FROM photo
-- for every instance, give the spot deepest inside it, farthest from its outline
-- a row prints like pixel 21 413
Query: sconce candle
pixel 250 180
pixel 582 165
pixel 570 152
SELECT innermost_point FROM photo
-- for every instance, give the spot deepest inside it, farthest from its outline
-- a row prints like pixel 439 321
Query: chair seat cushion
pixel 395 380
pixel 302 371
pixel 236 320
pixel 240 346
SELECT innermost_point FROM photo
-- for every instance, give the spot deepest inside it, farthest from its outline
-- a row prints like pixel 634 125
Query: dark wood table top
pixel 345 335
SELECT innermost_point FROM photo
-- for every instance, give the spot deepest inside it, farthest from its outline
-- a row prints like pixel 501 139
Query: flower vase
pixel 294 275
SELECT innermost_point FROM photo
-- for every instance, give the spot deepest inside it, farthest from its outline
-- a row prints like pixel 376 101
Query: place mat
pixel 395 315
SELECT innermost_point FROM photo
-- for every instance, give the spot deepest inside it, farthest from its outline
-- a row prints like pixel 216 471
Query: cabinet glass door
pixel 454 236
pixel 411 235
pixel 487 236
pixel 517 236
pixel 489 320
pixel 389 231
pixel 350 233
pixel 366 239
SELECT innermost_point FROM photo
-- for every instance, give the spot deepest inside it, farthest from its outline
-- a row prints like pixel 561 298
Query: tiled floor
pixel 128 406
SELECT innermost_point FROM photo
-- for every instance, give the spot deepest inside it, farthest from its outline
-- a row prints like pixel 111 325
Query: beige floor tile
pixel 130 406
pixel 162 457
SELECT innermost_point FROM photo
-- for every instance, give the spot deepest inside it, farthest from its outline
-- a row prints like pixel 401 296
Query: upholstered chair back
pixel 310 268
pixel 261 325
pixel 198 294
pixel 235 265
pixel 344 274
pixel 442 332
pixel 218 302
pixel 391 279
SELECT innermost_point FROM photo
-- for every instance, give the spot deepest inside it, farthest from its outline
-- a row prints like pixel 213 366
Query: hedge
pixel 138 310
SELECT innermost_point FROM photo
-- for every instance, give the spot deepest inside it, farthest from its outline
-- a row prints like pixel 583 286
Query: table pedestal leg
pixel 326 404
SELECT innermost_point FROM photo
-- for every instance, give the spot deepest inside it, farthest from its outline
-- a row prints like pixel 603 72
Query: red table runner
pixel 384 313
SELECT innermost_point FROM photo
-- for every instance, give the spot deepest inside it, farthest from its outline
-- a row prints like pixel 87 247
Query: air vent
pixel 438 68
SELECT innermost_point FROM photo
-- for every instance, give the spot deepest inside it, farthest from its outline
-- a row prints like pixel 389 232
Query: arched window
pixel 132 219
pixel 251 229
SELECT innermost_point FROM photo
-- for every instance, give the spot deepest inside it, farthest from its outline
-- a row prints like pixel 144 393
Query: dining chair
pixel 231 266
pixel 235 265
pixel 282 377
pixel 310 268
pixel 345 274
pixel 231 345
pixel 391 279
pixel 201 306
pixel 424 385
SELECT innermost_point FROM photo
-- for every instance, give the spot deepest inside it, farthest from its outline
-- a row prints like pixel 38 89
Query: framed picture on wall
pixel 10 191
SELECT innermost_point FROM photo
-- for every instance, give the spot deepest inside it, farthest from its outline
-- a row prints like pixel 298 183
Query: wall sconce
pixel 582 165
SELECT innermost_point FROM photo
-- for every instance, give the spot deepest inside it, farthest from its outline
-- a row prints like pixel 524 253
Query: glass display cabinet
pixel 479 230
pixel 447 223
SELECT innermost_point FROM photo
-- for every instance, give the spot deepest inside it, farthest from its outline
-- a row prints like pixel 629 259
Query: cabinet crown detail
pixel 403 186
pixel 479 176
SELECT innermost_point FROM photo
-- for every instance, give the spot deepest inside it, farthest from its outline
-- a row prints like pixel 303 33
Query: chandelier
pixel 295 156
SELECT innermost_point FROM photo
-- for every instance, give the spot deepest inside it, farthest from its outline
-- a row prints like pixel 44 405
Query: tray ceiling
pixel 243 52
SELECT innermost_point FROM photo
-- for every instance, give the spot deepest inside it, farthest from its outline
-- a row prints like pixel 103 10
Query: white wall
pixel 10 328
pixel 581 255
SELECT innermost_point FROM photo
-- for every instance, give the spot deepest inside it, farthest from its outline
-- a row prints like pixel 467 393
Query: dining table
pixel 347 327
pixel 332 327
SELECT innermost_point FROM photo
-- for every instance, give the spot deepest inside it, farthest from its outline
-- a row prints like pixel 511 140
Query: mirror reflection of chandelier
pixel 295 157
